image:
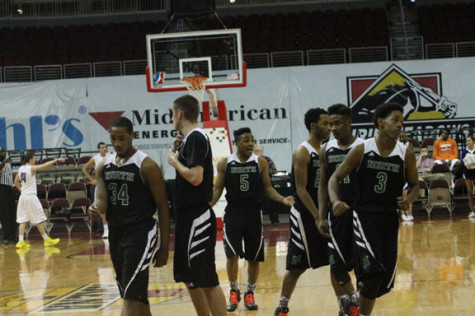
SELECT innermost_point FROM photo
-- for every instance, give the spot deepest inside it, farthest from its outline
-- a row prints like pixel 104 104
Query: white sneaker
pixel 471 215
pixel 404 217
pixel 410 218
pixel 105 235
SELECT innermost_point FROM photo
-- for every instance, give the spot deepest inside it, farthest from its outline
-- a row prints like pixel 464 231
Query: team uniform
pixel 195 229
pixel 341 247
pixel 307 248
pixel 29 206
pixel 132 230
pixel 97 161
pixel 243 215
pixel 468 156
pixel 380 180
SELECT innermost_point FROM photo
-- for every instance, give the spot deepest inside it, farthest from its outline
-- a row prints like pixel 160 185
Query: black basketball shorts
pixel 341 246
pixel 131 250
pixel 307 248
pixel 249 229
pixel 195 242
pixel 376 236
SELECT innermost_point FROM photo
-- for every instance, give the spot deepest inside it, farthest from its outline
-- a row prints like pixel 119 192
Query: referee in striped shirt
pixel 7 200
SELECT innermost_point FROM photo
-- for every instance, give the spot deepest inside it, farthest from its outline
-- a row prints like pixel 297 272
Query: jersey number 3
pixel 122 195
pixel 382 179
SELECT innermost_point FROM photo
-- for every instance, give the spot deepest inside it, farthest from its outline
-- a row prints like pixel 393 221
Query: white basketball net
pixel 196 87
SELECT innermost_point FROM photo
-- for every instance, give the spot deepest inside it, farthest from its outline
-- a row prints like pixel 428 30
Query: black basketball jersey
pixel 130 199
pixel 313 177
pixel 380 180
pixel 195 151
pixel 243 181
pixel 334 156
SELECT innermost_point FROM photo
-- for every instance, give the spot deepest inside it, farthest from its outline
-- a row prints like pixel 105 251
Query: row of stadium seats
pixel 441 194
pixel 261 33
pixel 447 23
pixel 62 211
pixel 58 190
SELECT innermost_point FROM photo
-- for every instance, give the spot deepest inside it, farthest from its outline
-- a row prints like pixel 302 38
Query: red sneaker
pixel 234 299
pixel 249 301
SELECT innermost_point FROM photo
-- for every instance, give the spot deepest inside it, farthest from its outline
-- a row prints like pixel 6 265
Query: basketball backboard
pixel 215 54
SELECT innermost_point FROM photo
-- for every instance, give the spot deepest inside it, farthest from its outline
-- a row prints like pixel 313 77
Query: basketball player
pixel 195 229
pixel 245 177
pixel 307 248
pixel 94 163
pixel 29 206
pixel 340 229
pixel 130 188
pixel 382 166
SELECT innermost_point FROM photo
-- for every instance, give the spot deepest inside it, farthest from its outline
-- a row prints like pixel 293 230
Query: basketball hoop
pixel 196 87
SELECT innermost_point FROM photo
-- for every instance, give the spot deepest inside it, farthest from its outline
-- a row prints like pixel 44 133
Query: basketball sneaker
pixel 249 301
pixel 50 241
pixel 281 311
pixel 471 215
pixel 22 244
pixel 105 235
pixel 350 305
pixel 234 299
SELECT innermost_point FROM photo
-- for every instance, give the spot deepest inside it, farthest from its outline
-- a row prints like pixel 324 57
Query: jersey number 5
pixel 244 183
pixel 122 195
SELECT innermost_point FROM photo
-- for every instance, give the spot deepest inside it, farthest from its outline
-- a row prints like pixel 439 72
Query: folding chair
pixel 444 171
pixel 76 190
pixel 79 214
pixel 56 190
pixel 59 212
pixel 41 191
pixel 439 196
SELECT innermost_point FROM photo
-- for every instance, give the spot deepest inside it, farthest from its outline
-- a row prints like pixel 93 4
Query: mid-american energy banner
pixel 76 112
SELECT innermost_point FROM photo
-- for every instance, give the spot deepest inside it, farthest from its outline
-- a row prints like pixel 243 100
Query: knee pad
pixel 371 286
pixel 340 274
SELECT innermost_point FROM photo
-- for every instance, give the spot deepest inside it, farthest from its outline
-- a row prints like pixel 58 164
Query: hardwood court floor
pixel 436 270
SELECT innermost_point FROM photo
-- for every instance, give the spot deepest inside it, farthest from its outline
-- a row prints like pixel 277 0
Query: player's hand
pixel 322 227
pixel 94 212
pixel 289 200
pixel 7 160
pixel 172 157
pixel 161 257
pixel 177 141
pixel 402 203
pixel 339 208
pixel 61 160
pixel 94 182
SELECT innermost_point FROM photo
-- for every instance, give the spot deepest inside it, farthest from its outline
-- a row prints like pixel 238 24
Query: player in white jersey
pixel 29 206
pixel 94 162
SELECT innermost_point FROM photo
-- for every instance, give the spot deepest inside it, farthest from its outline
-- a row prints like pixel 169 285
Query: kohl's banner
pixel 77 112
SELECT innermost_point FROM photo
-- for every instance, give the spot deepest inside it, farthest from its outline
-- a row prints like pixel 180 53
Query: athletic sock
pixel 284 302
pixel 45 236
pixel 106 227
pixel 251 287
pixel 234 285
pixel 340 305
pixel 20 238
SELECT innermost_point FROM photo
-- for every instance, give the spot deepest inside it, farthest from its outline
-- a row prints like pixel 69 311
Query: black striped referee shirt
pixel 6 175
